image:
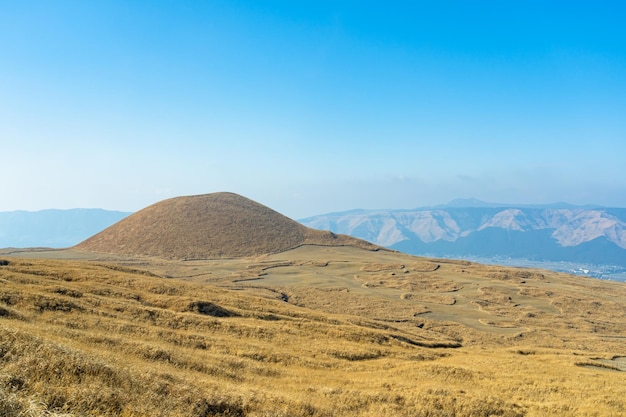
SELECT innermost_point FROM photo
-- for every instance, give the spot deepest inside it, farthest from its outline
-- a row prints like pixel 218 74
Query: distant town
pixel 606 272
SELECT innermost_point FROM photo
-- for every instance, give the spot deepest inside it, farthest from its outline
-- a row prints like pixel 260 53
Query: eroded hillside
pixel 314 331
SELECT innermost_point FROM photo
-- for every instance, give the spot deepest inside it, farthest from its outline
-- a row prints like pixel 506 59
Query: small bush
pixel 210 309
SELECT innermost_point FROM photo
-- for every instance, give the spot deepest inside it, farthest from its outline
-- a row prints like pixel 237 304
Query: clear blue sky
pixel 312 106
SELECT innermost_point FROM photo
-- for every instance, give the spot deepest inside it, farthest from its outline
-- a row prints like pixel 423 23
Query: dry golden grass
pixel 218 225
pixel 298 334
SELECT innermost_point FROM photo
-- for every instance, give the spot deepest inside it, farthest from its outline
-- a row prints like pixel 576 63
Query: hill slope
pixel 218 225
pixel 314 331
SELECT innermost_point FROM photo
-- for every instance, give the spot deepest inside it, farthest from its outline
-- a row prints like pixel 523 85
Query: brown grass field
pixel 312 331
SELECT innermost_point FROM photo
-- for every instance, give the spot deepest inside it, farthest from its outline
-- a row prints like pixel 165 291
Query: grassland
pixel 315 331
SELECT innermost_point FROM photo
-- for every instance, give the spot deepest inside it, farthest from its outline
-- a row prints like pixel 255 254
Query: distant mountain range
pixel 462 228
pixel 466 228
pixel 53 228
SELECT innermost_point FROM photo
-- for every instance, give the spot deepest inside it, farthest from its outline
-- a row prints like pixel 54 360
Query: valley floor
pixel 604 272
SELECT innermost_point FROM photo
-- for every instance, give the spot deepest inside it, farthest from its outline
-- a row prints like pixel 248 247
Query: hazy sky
pixel 312 106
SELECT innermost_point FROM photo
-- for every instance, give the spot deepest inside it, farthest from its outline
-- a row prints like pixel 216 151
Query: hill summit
pixel 218 225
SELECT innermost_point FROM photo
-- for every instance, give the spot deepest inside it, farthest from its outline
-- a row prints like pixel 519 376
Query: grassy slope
pixel 218 225
pixel 362 333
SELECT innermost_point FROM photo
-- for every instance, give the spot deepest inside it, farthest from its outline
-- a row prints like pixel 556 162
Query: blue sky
pixel 312 107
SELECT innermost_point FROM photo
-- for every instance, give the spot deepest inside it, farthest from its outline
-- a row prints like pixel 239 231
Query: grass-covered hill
pixel 208 226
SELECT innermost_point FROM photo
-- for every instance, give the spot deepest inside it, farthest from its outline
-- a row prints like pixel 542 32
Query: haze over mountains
pixel 215 305
pixel 53 228
pixel 461 228
pixel 557 232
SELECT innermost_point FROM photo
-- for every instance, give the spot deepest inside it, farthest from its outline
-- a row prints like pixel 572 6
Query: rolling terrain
pixel 307 326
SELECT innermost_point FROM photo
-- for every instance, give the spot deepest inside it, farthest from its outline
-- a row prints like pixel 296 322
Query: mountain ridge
pixel 58 228
pixel 460 231
pixel 422 230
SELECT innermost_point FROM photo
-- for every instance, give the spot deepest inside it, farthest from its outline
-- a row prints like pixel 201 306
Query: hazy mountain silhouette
pixel 558 232
pixel 53 228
